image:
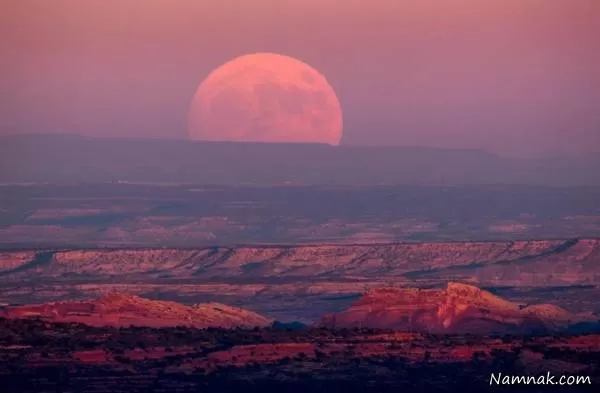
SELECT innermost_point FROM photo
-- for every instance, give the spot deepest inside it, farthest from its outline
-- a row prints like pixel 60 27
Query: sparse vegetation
pixel 184 359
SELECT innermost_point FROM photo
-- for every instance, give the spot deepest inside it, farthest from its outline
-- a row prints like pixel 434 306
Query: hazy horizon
pixel 186 139
pixel 510 77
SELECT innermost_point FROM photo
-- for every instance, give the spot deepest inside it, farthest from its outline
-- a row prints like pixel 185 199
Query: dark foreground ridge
pixel 38 356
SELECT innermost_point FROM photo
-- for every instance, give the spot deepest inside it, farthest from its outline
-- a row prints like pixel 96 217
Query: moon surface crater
pixel 266 97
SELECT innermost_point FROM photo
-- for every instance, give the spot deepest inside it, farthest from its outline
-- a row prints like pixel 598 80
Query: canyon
pixel 532 263
pixel 303 282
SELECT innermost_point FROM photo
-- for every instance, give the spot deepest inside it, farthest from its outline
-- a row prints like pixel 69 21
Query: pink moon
pixel 265 97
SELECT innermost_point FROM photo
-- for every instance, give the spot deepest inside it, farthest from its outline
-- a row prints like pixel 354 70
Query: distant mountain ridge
pixel 531 263
pixel 71 158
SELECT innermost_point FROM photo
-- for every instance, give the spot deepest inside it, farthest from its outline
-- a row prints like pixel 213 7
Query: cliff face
pixel 11 261
pixel 553 262
pixel 119 310
pixel 459 308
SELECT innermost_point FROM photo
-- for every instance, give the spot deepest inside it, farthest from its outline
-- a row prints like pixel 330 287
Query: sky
pixel 515 77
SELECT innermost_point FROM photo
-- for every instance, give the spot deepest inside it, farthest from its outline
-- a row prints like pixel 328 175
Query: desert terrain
pixel 122 286
pixel 301 283
pixel 39 356
pixel 430 316
pixel 457 309
pixel 120 214
pixel 120 310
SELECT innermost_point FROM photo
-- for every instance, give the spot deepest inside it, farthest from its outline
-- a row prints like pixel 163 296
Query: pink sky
pixel 510 76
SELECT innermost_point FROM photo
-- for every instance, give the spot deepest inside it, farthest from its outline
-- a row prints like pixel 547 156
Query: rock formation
pixel 459 308
pixel 120 310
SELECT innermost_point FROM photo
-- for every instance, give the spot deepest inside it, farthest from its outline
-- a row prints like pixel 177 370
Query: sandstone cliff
pixel 119 310
pixel 459 308
pixel 542 262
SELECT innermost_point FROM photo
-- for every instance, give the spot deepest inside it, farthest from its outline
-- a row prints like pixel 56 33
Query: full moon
pixel 266 97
